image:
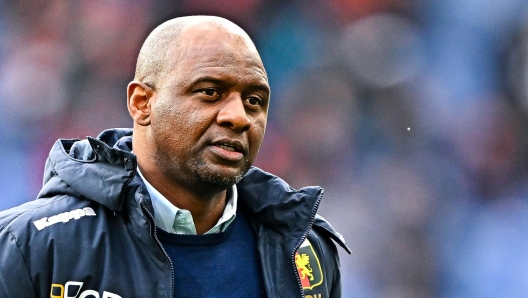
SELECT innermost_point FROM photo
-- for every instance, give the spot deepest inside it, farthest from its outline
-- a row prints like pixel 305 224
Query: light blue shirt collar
pixel 180 221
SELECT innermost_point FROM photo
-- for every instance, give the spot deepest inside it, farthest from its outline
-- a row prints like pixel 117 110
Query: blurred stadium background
pixel 411 114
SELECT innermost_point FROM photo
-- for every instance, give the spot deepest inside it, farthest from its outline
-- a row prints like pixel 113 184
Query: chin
pixel 221 176
pixel 217 174
pixel 221 180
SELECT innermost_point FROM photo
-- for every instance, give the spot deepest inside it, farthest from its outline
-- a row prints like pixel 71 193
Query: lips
pixel 231 150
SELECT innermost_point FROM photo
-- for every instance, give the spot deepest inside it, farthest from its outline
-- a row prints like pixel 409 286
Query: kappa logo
pixel 308 266
pixel 63 217
pixel 72 289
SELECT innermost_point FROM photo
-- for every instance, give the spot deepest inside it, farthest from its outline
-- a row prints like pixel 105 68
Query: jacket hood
pixel 271 200
pixel 107 160
pixel 283 209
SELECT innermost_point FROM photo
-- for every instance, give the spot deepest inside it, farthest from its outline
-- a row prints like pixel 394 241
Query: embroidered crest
pixel 308 266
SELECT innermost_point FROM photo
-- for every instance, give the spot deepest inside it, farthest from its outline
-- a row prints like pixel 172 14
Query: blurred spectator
pixel 317 117
pixel 32 72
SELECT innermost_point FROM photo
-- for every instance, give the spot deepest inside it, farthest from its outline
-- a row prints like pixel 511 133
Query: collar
pixel 180 221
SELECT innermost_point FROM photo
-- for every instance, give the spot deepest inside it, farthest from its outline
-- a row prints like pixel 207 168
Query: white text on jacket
pixel 63 217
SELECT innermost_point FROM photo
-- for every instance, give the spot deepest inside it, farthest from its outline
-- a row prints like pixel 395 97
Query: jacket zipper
pixel 145 209
pixel 304 236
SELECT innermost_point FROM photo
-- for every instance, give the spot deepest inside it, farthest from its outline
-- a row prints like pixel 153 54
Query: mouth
pixel 228 147
pixel 230 150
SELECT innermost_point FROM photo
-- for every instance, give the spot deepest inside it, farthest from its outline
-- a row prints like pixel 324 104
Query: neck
pixel 205 203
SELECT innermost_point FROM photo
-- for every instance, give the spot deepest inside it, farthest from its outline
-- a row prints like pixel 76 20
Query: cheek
pixel 169 127
pixel 182 125
pixel 167 119
pixel 196 122
pixel 257 134
pixel 261 126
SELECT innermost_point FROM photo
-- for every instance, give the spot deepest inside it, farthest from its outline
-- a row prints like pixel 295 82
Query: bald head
pixel 153 59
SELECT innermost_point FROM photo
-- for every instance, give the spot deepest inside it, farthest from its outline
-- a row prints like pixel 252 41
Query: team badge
pixel 308 266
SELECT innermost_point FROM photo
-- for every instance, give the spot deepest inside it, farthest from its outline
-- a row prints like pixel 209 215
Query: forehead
pixel 204 48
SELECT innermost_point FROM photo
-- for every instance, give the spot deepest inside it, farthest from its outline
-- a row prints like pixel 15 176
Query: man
pixel 173 208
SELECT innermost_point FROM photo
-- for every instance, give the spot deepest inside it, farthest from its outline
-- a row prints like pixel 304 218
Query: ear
pixel 139 97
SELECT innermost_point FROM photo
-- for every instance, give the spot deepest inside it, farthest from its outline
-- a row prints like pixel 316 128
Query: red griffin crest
pixel 308 266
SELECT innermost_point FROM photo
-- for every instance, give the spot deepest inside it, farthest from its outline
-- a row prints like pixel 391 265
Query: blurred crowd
pixel 412 115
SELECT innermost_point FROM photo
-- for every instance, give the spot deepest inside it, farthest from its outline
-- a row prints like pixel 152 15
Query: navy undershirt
pixel 225 264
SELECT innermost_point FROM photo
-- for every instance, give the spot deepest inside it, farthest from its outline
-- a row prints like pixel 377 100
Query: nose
pixel 233 114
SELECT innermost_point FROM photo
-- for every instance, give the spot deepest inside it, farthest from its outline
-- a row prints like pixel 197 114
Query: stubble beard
pixel 207 174
pixel 197 172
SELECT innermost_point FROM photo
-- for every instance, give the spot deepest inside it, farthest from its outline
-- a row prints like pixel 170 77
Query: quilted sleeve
pixel 14 276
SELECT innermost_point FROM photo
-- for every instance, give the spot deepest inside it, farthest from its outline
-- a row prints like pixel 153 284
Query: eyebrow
pixel 215 80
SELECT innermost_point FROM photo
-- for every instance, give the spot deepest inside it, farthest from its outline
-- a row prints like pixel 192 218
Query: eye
pixel 210 92
pixel 253 101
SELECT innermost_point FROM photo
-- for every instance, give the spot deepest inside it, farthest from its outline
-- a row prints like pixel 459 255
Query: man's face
pixel 209 112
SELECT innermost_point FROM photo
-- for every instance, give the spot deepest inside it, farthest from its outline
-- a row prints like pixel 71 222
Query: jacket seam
pixel 21 254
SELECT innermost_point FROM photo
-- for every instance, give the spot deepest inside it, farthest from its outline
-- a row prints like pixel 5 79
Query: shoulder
pixel 23 213
pixel 40 216
pixel 56 228
pixel 323 228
